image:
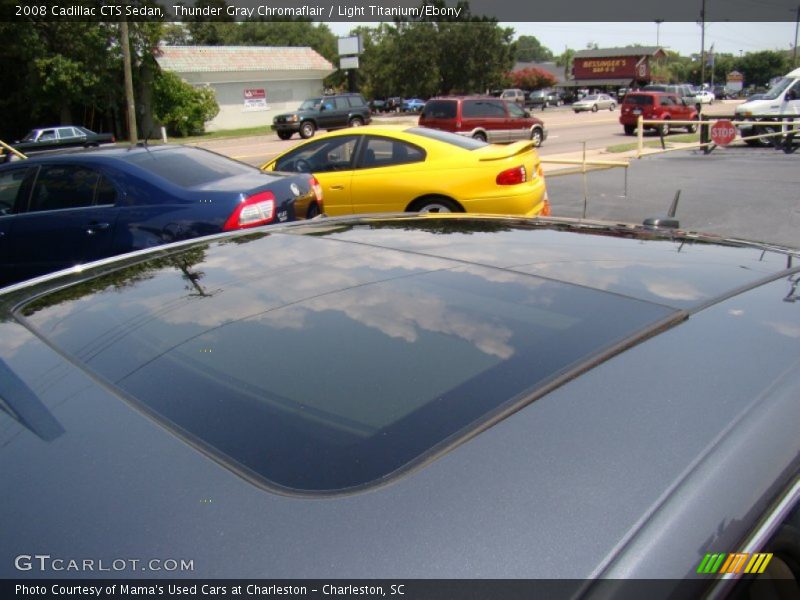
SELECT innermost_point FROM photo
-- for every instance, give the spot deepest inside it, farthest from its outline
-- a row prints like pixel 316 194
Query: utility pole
pixel 703 42
pixel 658 23
pixel 796 26
pixel 126 65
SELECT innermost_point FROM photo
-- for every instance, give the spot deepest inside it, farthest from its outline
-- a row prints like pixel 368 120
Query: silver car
pixel 594 102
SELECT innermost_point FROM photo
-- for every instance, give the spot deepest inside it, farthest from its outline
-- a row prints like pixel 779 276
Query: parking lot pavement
pixel 749 193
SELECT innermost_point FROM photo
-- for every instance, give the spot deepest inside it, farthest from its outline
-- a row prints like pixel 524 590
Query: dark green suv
pixel 325 112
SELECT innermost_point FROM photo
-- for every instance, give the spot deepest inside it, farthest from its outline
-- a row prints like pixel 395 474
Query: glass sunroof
pixel 318 366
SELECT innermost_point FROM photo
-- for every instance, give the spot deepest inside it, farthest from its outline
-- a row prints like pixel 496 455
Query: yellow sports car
pixel 394 169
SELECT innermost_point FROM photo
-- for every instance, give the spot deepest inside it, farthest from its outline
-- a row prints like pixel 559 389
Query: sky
pixel 684 38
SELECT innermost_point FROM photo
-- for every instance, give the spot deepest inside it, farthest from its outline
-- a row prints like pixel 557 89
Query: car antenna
pixel 668 221
pixel 674 206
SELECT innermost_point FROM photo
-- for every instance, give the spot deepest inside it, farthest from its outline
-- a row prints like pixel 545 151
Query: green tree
pixel 63 68
pixel 759 67
pixel 182 108
pixel 673 68
pixel 211 30
pixel 530 49
pixel 467 66
pixel 723 64
pixel 426 57
pixel 68 72
pixel 377 74
pixel 564 60
pixel 176 34
pixel 415 60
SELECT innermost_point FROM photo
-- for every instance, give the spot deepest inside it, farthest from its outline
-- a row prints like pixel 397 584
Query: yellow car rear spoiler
pixel 499 152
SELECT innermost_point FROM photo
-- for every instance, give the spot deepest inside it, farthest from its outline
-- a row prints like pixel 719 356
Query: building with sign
pixel 734 82
pixel 611 68
pixel 252 83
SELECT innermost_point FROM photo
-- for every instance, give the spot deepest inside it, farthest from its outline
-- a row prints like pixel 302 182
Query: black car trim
pixel 744 288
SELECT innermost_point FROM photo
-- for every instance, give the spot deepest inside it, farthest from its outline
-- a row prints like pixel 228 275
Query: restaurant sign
pixel 631 67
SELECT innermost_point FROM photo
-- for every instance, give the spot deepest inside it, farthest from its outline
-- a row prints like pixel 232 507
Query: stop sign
pixel 722 132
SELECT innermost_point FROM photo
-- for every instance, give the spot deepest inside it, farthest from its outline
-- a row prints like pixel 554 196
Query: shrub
pixel 182 108
pixel 532 79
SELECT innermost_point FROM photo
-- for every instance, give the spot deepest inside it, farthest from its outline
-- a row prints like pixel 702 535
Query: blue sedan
pixel 413 105
pixel 62 210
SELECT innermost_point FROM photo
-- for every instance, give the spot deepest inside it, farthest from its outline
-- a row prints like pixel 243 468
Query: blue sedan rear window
pixel 189 167
pixel 331 374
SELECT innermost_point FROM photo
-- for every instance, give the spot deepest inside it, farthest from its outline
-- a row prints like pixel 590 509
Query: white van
pixel 782 100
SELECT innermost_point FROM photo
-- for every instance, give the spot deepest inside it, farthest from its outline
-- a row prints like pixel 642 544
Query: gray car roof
pixel 635 468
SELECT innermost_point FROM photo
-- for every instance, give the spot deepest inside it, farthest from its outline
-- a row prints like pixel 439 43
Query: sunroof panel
pixel 330 374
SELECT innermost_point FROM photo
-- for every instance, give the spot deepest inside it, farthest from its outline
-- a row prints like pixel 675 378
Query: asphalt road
pixel 749 193
pixel 567 133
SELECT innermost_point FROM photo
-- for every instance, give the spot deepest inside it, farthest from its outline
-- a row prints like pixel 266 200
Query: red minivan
pixel 656 106
pixel 484 118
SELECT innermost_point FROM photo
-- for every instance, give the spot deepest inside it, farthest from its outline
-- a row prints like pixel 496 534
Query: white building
pixel 252 83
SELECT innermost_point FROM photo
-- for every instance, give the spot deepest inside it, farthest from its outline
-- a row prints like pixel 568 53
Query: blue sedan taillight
pixel 258 209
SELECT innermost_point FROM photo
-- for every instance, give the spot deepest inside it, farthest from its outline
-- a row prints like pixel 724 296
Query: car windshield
pixel 590 98
pixel 778 88
pixel 317 376
pixel 461 141
pixel 189 167
pixel 31 136
pixel 311 104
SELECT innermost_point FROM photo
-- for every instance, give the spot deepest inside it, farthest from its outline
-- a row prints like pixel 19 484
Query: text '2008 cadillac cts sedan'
pixel 411 396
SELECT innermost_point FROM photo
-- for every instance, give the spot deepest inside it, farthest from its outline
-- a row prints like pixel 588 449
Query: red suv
pixel 656 106
pixel 483 118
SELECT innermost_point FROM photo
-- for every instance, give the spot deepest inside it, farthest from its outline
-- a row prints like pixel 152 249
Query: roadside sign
pixel 255 99
pixel 722 132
